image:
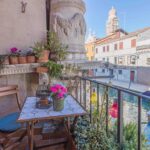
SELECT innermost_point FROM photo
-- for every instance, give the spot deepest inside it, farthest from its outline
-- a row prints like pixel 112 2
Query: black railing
pixel 83 95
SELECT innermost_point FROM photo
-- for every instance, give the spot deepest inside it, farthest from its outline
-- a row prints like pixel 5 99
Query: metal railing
pixel 81 95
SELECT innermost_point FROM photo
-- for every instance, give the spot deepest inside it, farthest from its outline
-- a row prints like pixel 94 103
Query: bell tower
pixel 112 23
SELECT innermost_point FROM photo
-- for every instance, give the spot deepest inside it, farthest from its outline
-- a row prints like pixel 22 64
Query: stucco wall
pixel 21 29
pixel 143 75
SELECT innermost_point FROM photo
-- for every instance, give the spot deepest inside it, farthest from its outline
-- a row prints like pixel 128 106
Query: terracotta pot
pixel 22 59
pixel 30 59
pixel 42 69
pixel 13 60
pixel 44 57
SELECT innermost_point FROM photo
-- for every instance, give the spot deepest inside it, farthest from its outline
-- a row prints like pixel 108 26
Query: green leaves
pixel 54 69
pixel 92 137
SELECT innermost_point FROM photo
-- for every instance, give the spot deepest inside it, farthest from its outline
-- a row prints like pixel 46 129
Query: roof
pixel 116 36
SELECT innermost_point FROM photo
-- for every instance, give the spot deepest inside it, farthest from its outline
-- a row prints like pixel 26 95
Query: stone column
pixel 67 20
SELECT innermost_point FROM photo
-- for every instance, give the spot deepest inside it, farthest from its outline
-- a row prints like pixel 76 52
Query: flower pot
pixel 44 57
pixel 58 104
pixel 22 59
pixel 42 69
pixel 30 59
pixel 13 60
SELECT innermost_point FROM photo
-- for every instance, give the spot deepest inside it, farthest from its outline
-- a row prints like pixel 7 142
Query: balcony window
pixel 115 46
pixel 120 60
pixel 121 45
pixel 133 43
pixel 133 60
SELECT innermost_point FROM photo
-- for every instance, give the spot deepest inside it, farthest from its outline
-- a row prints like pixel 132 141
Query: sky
pixel 132 14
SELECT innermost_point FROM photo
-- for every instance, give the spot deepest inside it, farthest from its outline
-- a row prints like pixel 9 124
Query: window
pixel 120 60
pixel 148 61
pixel 95 70
pixel 104 49
pixel 96 50
pixel 120 72
pixel 107 48
pixel 121 45
pixel 133 60
pixel 115 60
pixel 115 46
pixel 103 59
pixel 103 70
pixel 133 43
pixel 107 59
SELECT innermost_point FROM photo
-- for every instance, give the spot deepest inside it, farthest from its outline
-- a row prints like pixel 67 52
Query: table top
pixel 29 111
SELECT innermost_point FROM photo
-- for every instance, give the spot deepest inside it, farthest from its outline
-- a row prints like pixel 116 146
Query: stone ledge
pixel 18 69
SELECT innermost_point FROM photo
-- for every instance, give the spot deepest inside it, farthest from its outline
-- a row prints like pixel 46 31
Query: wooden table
pixel 30 114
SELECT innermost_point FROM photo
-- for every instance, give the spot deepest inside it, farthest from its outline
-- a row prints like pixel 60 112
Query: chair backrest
pixel 10 90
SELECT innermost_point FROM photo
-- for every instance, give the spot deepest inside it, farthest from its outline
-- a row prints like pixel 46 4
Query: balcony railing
pixel 83 93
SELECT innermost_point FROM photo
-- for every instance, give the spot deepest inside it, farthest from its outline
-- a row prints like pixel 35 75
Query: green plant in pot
pixel 57 49
pixel 41 53
pixel 58 94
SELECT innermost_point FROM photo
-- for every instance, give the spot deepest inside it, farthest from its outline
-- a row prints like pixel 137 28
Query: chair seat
pixel 8 123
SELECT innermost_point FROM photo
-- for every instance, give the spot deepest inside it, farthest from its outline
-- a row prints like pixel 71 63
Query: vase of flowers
pixel 14 55
pixel 58 94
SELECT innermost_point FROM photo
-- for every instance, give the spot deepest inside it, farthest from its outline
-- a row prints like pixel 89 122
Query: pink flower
pixel 13 50
pixel 60 95
pixel 53 89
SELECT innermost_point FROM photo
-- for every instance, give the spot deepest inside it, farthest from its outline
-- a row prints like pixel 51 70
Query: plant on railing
pixel 92 137
pixel 130 137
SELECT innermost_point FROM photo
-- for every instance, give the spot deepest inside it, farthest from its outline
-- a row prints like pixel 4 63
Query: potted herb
pixel 57 50
pixel 41 54
pixel 58 93
pixel 30 56
pixel 22 57
pixel 13 55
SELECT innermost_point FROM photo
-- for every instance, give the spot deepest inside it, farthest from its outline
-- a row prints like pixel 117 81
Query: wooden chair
pixel 11 132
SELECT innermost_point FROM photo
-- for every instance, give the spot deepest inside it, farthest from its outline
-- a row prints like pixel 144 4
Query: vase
pixel 44 57
pixel 13 59
pixel 30 59
pixel 58 104
pixel 22 59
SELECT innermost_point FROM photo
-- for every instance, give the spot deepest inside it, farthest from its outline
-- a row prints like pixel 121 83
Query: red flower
pixel 114 110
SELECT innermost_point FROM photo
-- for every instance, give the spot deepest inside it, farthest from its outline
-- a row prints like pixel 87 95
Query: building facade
pixel 126 56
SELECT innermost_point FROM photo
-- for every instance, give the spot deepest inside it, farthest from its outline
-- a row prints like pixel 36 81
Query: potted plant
pixel 13 56
pixel 22 57
pixel 30 56
pixel 58 94
pixel 57 50
pixel 41 54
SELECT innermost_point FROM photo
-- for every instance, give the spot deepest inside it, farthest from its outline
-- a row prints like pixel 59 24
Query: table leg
pixel 30 134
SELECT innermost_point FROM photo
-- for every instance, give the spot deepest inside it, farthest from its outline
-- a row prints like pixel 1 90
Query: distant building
pixel 126 55
pixel 112 23
pixel 90 46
